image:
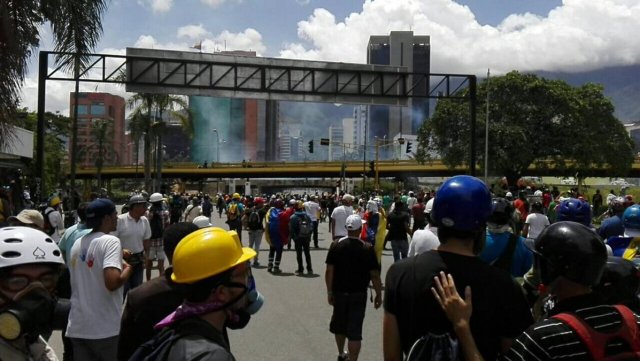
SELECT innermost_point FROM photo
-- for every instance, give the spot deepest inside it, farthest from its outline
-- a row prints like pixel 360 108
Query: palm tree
pixel 100 150
pixel 142 105
pixel 77 27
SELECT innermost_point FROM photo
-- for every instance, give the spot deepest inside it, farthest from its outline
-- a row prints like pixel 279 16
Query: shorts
pixel 156 251
pixel 348 314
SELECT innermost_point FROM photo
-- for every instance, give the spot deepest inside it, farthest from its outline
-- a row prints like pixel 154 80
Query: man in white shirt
pixel 97 274
pixel 422 240
pixel 134 232
pixel 339 217
pixel 312 208
pixel 55 219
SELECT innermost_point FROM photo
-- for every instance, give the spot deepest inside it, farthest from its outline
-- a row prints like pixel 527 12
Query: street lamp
pixel 217 145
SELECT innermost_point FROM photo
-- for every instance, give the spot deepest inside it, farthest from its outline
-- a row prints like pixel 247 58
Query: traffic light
pixel 408 147
pixel 311 146
pixel 372 166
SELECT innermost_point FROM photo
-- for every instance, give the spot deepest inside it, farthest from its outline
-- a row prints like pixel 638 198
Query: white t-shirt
pixel 411 201
pixel 423 240
pixel 537 223
pixel 339 217
pixel 95 311
pixel 132 232
pixel 312 209
pixel 55 218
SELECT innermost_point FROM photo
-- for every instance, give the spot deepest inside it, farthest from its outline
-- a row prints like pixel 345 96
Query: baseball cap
pixel 202 221
pixel 100 208
pixel 29 216
pixel 354 222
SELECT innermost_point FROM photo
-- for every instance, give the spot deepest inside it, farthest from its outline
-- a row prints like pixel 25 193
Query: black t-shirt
pixel 499 306
pixel 352 260
pixel 397 222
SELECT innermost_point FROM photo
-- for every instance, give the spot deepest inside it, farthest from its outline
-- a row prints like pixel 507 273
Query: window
pixel 97 109
pixel 82 109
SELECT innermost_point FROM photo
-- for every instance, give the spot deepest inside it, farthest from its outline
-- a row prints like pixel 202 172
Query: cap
pixel 29 216
pixel 354 222
pixel 137 199
pixel 54 201
pixel 347 197
pixel 202 221
pixel 100 208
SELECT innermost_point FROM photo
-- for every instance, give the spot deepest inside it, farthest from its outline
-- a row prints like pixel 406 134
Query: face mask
pixel 240 317
pixel 29 313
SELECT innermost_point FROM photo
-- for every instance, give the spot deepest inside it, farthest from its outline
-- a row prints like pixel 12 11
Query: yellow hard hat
pixel 208 252
pixel 236 196
pixel 54 201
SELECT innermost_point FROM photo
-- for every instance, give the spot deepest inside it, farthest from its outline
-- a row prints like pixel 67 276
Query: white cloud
pixel 303 2
pixel 214 3
pixel 193 32
pixel 576 36
pixel 161 6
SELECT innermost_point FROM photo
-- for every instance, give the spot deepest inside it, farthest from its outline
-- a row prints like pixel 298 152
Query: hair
pixel 174 234
pixel 447 233
pixel 82 211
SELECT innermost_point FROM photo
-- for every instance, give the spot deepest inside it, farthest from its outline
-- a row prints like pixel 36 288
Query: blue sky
pixel 467 36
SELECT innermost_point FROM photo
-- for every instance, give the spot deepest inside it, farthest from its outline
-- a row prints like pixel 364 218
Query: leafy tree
pixel 100 150
pixel 531 121
pixel 76 26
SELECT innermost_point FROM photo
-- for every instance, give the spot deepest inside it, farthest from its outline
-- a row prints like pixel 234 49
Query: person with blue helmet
pixel 574 210
pixel 460 211
pixel 627 244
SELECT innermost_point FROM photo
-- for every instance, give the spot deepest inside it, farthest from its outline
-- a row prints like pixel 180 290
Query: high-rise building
pixel 92 109
pixel 400 48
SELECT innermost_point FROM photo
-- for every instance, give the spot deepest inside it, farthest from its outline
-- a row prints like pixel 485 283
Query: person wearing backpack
pixel 235 210
pixel 312 207
pixel 158 220
pixel 581 325
pixel 219 293
pixel 53 219
pixel 256 226
pixel 503 248
pixel 300 230
pixel 175 208
pixel 460 211
pixel 207 206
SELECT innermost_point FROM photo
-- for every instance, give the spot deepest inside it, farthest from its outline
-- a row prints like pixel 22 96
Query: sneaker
pixel 310 271
pixel 270 269
pixel 256 263
pixel 343 357
pixel 299 271
pixel 277 270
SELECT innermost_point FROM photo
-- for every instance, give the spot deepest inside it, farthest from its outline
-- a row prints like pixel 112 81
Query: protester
pixel 460 210
pixel 580 326
pixel 152 301
pixel 256 227
pixel 159 219
pixel 300 230
pixel 220 292
pixel 27 286
pixel 235 210
pixel 98 273
pixel 28 218
pixel 398 225
pixel 312 207
pixel 339 217
pixel 274 236
pixel 53 219
pixel 535 223
pixel 351 265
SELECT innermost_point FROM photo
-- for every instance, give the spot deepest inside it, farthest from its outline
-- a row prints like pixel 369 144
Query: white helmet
pixel 538 193
pixel 429 206
pixel 26 245
pixel 155 197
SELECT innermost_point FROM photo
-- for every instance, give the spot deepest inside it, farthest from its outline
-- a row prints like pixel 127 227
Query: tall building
pixel 400 48
pixel 93 108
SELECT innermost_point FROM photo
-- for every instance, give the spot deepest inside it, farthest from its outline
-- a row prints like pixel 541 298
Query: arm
pixel 114 278
pixel 391 346
pixel 525 230
pixel 458 311
pixel 328 280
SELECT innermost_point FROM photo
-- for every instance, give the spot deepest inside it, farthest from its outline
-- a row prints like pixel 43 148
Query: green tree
pixel 531 121
pixel 76 25
pixel 100 150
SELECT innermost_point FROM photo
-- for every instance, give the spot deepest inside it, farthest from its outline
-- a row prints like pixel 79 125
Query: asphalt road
pixel 293 324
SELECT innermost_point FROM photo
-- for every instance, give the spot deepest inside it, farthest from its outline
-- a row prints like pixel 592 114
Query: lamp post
pixel 217 145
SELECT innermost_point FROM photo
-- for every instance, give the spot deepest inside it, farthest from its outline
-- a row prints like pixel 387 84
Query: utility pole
pixel 377 182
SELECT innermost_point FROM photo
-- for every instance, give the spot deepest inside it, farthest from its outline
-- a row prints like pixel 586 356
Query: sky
pixel 467 36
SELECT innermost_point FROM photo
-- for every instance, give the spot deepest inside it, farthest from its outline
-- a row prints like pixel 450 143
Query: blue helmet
pixel 462 203
pixel 631 217
pixel 575 210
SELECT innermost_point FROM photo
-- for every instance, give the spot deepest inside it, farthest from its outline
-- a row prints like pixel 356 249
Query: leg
pixel 354 350
pixel 340 340
pixel 307 256
pixel 148 265
pixel 299 255
pixel 396 251
pixel 315 234
pixel 404 249
pixel 276 265
pixel 272 253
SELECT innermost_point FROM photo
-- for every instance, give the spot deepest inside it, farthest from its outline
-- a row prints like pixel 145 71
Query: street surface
pixel 293 324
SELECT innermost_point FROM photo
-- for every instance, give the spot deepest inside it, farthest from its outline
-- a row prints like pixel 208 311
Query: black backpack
pixel 305 227
pixel 156 349
pixel 48 227
pixel 254 221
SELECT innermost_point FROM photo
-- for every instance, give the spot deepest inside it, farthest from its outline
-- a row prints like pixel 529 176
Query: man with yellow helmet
pixel 220 292
pixel 53 219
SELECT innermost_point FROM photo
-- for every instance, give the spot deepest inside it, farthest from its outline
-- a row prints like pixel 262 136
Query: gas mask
pixel 29 313
pixel 240 317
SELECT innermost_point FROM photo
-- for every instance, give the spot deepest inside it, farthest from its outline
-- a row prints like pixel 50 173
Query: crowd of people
pixel 477 275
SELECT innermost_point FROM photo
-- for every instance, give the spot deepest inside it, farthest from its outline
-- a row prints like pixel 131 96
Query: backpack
pixel 157 224
pixel 157 348
pixel 305 227
pixel 437 347
pixel 254 221
pixel 232 212
pixel 48 227
pixel 596 341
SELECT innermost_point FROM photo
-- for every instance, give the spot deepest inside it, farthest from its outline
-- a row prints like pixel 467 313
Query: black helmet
pixel 620 282
pixel 501 213
pixel 537 207
pixel 571 250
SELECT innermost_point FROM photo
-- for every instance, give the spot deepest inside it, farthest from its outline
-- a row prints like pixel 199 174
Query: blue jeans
pixel 400 249
pixel 135 280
